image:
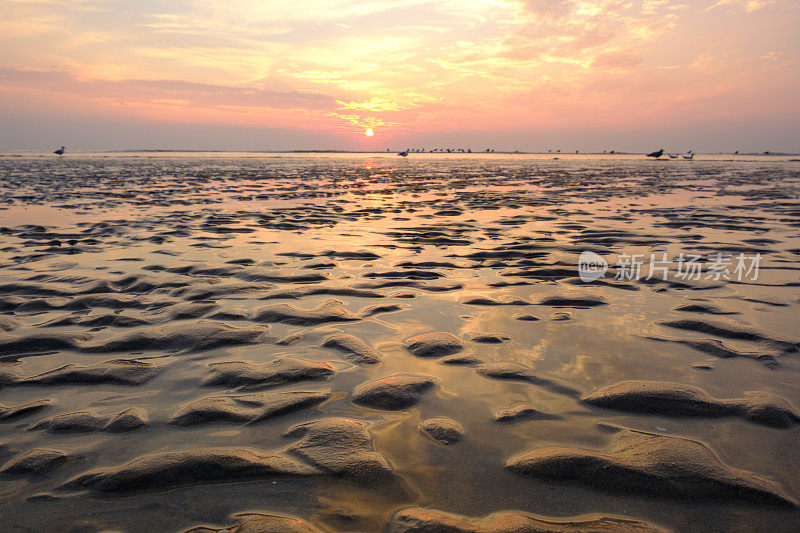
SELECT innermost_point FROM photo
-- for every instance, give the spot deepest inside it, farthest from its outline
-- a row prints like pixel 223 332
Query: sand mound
pixel 162 471
pixel 339 446
pixel 34 462
pixel 522 411
pixel 87 422
pixel 393 392
pixel 571 301
pixel 114 372
pixel 112 320
pixel 18 411
pixel 41 342
pixel 187 310
pixel 493 302
pixel 246 408
pixel 261 375
pixel 718 349
pixel 643 463
pixel 373 310
pixel 301 292
pixel 330 311
pixel 672 399
pixel 460 359
pixel 415 284
pixel 708 309
pixel 520 372
pixel 197 336
pixel 360 255
pixel 405 274
pixel 732 332
pixel 489 338
pixel 442 430
pixel 508 370
pixel 434 345
pixel 430 520
pixel 355 348
pixel 261 523
pixel 277 276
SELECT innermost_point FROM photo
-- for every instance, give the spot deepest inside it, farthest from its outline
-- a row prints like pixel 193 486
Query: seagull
pixel 656 154
pixel 690 155
pixel 404 153
pixel 60 151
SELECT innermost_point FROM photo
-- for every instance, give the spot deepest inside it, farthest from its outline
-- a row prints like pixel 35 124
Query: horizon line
pixel 393 151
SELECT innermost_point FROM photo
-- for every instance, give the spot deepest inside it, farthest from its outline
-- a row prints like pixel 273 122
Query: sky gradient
pixel 528 75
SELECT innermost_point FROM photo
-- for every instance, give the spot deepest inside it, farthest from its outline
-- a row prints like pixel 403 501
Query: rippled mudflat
pixel 360 343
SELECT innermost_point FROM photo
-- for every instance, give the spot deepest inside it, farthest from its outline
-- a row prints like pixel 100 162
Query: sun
pixel 369 132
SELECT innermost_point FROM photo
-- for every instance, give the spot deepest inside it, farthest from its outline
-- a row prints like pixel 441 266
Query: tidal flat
pixel 356 342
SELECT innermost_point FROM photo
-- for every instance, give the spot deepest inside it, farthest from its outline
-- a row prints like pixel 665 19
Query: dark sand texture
pixel 363 342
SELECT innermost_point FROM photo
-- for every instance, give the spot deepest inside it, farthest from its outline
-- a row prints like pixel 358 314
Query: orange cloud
pixel 403 66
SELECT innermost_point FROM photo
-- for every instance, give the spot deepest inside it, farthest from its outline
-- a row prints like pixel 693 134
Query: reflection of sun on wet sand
pixel 318 344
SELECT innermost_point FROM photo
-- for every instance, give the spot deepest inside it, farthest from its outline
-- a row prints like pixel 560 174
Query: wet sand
pixel 370 343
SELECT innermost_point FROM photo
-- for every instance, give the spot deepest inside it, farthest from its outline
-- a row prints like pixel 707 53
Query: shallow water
pixel 114 245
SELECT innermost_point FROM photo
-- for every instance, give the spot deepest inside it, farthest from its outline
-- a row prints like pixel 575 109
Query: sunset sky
pixel 529 75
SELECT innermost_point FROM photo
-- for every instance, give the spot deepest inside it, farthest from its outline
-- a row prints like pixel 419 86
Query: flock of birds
pixel 407 151
pixel 689 155
pixel 655 155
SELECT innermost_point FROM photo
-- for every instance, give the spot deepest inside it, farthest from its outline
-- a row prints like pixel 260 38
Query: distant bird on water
pixel 404 153
pixel 690 155
pixel 60 151
pixel 656 154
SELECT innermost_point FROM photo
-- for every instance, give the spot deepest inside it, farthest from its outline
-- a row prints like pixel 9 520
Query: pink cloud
pixel 197 94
